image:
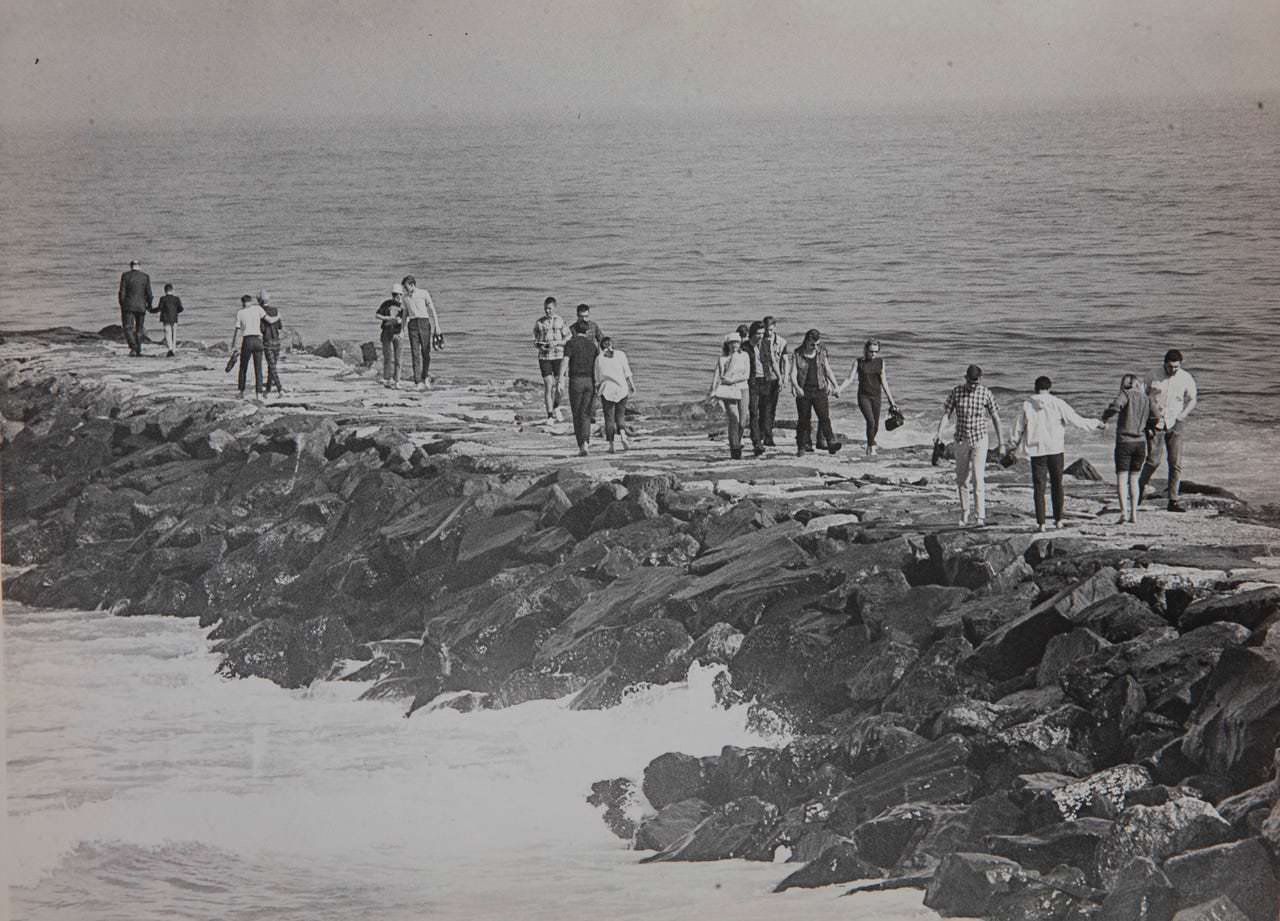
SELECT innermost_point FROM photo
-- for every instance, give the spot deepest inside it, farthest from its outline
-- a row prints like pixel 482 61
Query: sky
pixel 82 59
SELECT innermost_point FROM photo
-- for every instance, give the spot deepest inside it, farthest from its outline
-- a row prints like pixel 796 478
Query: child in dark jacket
pixel 272 325
pixel 1133 408
pixel 169 307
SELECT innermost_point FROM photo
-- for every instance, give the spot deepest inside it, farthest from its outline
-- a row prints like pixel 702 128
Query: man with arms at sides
pixel 135 300
pixel 581 352
pixel 774 356
pixel 1172 391
pixel 549 335
pixel 423 325
pixel 971 403
pixel 584 316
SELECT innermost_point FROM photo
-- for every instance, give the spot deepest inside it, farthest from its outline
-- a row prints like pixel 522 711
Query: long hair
pixel 811 338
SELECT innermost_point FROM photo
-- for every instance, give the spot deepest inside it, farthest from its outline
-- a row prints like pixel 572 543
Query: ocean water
pixel 1075 241
pixel 143 787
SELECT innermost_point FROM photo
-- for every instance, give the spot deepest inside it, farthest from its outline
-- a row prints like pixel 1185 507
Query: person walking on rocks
pixel 773 353
pixel 390 314
pixel 581 351
pixel 249 329
pixel 872 377
pixel 584 316
pixel 812 383
pixel 1040 429
pixel 757 384
pixel 423 330
pixel 135 300
pixel 971 404
pixel 1172 391
pixel 549 336
pixel 729 386
pixel 272 327
pixel 169 306
pixel 613 385
pixel 1132 408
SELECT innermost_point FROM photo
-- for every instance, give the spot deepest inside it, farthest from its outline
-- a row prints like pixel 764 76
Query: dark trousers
pixel 132 321
pixel 419 333
pixel 815 402
pixel 251 347
pixel 769 409
pixel 1047 467
pixel 582 397
pixel 757 397
pixel 272 354
pixel 614 417
pixel 870 407
pixel 1162 442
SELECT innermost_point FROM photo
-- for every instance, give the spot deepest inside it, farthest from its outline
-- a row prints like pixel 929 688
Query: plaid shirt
pixel 970 405
pixel 550 334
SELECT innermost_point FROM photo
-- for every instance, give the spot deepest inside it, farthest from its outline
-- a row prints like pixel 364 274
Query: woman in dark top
pixel 872 378
pixel 812 383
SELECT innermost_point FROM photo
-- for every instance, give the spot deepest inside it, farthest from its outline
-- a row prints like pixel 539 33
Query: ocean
pixel 1075 241
pixel 142 787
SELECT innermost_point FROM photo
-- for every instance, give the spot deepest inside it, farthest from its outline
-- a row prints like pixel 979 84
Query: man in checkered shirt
pixel 971 404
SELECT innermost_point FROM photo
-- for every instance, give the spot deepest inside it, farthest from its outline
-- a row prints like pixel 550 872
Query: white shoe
pixel 558 412
pixel 1042 527
pixel 626 445
pixel 981 522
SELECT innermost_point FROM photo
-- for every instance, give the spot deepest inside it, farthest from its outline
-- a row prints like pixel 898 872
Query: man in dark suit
pixel 135 301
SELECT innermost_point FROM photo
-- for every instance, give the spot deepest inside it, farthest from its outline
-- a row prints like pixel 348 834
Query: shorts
pixel 549 367
pixel 1130 455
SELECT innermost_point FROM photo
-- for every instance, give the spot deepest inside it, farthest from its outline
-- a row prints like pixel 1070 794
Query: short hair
pixel 767 320
pixel 1173 355
pixel 1128 381
pixel 1043 383
pixel 582 307
pixel 168 287
pixel 812 336
pixel 550 300
pixel 743 330
pixel 605 342
pixel 246 299
pixel 756 327
pixel 133 263
pixel 870 342
pixel 409 280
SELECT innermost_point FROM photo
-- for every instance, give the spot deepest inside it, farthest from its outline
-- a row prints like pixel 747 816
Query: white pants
pixel 971 468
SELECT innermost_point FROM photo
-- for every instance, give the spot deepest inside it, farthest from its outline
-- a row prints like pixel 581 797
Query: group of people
pixel 1150 418
pixel 409 315
pixel 258 326
pixel 135 299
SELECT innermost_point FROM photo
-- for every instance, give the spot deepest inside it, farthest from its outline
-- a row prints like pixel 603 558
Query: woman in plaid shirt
pixel 971 404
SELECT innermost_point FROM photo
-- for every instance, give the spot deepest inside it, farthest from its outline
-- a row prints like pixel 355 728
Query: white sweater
pixel 1041 426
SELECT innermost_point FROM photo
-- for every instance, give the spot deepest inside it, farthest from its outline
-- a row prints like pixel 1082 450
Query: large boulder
pixel 1075 842
pixel 935 773
pixel 1158 832
pixel 1241 870
pixel 673 822
pixel 730 831
pixel 1221 908
pixel 1142 892
pixel 1247 608
pixel 973 559
pixel 1235 729
pixel 673 777
pixel 839 863
pixel 617 798
pixel 971 885
pixel 1120 617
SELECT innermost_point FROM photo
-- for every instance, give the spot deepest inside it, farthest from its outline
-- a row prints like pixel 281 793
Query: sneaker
pixel 1057 525
pixel 981 522
pixel 808 449
pixel 735 453
pixel 395 385
pixel 169 354
pixel 964 521
pixel 558 413
pixel 757 450
pixel 582 451
pixel 1175 507
pixel 874 450
pixel 1042 527
pixel 835 446
pixel 768 442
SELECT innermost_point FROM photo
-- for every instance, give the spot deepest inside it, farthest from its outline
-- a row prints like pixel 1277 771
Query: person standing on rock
pixel 169 306
pixel 135 300
pixel 272 327
pixel 971 404
pixel 812 383
pixel 581 351
pixel 729 386
pixel 872 378
pixel 1132 408
pixel 613 385
pixel 774 355
pixel 423 330
pixel 249 329
pixel 1041 428
pixel 757 384
pixel 584 316
pixel 390 314
pixel 1172 391
pixel 549 336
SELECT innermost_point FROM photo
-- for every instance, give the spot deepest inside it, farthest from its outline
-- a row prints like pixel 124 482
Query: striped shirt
pixel 550 334
pixel 970 405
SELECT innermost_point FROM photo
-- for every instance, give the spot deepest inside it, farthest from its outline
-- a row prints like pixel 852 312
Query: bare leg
pixel 1124 482
pixel 1134 490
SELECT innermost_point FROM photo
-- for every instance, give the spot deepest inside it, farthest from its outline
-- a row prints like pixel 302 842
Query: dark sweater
pixel 169 307
pixel 1133 407
pixel 271 326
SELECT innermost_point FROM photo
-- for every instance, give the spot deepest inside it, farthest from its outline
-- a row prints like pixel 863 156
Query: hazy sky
pixel 76 59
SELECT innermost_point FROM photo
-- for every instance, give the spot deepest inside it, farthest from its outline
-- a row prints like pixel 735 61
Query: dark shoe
pixel 768 443
pixel 1175 507
pixel 835 446
pixel 735 453
pixel 170 355
pixel 808 449
pixel 799 451
pixel 758 450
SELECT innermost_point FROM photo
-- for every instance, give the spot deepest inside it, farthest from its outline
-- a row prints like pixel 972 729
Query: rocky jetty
pixel 1071 726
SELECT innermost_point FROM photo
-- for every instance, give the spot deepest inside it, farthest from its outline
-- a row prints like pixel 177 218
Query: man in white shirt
pixel 1172 391
pixel 774 354
pixel 249 329
pixel 422 329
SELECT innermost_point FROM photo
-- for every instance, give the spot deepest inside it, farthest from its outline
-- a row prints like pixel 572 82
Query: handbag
pixel 727 392
pixel 895 420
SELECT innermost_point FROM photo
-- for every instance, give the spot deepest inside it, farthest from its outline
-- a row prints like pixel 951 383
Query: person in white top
pixel 1172 391
pixel 249 329
pixel 422 329
pixel 1040 430
pixel 613 385
pixel 729 386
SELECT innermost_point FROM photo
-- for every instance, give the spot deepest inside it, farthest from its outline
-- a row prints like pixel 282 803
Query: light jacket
pixel 1041 426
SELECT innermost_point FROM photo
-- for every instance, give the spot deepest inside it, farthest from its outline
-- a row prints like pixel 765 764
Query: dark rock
pixel 673 777
pixel 1048 898
pixel 1217 909
pixel 1141 892
pixel 1158 832
pixel 985 614
pixel 166 596
pixel 673 822
pixel 717 646
pixel 261 652
pixel 1249 609
pixel 728 832
pixel 1234 730
pixel 933 681
pixel 741 519
pixel 1074 842
pixel 1248 810
pixel 917 613
pixel 869 740
pixel 936 773
pixel 651 650
pixel 1064 649
pixel 960 828
pixel 972 559
pixel 971 884
pixel 525 684
pixel 875 592
pixel 1072 798
pixel 636 596
pixel 884 665
pixel 839 863
pixel 579 519
pixel 1081 469
pixel 884 839
pixel 618 800
pixel 1242 871
pixel 345 349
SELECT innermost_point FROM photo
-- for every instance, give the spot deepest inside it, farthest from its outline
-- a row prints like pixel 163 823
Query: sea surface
pixel 142 787
pixel 1078 241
